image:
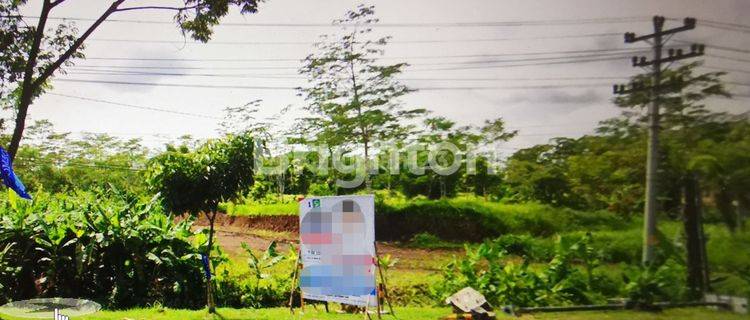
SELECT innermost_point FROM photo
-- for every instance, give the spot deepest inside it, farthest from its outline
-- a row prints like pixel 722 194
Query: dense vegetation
pixel 553 224
pixel 117 248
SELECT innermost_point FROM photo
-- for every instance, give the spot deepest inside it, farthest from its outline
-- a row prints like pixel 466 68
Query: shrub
pixel 265 283
pixel 535 249
pixel 559 282
pixel 646 285
pixel 474 219
pixel 111 247
pixel 426 240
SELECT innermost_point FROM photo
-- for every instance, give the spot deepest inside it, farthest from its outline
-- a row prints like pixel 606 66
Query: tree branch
pixel 160 8
pixel 28 85
pixel 55 3
pixel 76 44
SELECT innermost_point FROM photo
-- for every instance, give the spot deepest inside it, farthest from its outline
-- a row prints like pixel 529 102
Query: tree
pixel 354 99
pixel 33 54
pixel 440 144
pixel 196 182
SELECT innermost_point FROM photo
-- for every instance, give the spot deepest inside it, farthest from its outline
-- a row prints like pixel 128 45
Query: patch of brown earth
pixel 278 223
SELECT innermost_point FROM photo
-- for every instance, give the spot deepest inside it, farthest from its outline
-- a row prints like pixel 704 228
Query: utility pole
pixel 652 162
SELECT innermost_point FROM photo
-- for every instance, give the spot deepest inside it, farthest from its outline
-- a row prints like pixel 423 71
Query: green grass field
pixel 401 313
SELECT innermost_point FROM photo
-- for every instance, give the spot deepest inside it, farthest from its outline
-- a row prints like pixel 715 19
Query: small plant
pixel 646 285
pixel 260 264
pixel 386 262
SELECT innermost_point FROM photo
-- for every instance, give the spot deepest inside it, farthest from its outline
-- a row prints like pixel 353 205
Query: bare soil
pixel 259 231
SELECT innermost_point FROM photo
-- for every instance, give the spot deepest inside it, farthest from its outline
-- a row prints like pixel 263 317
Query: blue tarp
pixel 9 177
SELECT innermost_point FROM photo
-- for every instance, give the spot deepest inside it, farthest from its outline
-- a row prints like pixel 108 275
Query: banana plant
pixel 260 263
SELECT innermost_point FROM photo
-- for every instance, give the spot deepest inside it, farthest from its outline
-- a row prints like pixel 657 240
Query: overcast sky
pixel 539 108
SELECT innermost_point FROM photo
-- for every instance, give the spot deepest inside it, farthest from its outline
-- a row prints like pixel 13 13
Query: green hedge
pixel 472 219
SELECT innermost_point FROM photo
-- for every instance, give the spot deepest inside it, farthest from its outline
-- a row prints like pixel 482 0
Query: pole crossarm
pixel 638 86
pixel 696 50
pixel 689 24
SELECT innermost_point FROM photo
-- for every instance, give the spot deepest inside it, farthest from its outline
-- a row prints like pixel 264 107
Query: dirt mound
pixel 280 223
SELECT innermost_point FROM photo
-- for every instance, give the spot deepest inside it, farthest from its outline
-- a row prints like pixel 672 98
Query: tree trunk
pixel 209 283
pixel 696 274
pixel 27 86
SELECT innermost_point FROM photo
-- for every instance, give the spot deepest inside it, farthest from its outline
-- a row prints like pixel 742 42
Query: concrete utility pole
pixel 652 162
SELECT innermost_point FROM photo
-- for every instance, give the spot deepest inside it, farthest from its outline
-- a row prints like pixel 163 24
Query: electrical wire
pixel 132 105
pixel 608 20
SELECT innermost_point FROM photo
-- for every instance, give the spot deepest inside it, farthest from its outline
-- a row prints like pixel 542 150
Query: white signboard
pixel 337 249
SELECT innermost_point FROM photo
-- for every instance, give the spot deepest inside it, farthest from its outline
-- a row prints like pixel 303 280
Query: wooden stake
pixel 294 285
pixel 382 280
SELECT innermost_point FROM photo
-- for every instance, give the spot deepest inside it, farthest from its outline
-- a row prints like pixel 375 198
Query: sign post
pixel 338 261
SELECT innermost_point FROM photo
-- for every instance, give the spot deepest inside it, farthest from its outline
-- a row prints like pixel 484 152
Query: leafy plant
pixel 559 282
pixel 260 264
pixel 109 246
pixel 646 285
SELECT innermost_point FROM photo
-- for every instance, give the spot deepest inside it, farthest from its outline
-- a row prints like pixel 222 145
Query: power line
pixel 382 58
pixel 729 24
pixel 390 42
pixel 714 46
pixel 609 20
pixel 565 60
pixel 153 84
pixel 726 26
pixel 179 85
pixel 615 54
pixel 526 64
pixel 725 69
pixel 132 105
pixel 727 58
pixel 253 76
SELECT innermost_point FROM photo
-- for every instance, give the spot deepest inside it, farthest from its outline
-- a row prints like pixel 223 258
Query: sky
pixel 471 60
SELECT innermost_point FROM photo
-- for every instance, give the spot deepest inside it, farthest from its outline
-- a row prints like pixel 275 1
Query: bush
pixel 526 246
pixel 474 219
pixel 557 283
pixel 646 285
pixel 426 240
pixel 111 247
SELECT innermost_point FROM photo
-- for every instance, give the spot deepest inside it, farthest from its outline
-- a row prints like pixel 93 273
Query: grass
pixel 402 313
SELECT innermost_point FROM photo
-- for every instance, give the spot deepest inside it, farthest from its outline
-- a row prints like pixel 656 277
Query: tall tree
pixel 33 54
pixel 354 99
pixel 196 182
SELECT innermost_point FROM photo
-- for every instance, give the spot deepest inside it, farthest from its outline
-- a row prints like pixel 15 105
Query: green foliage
pixel 426 240
pixel 558 283
pixel 112 247
pixel 57 162
pixel 534 249
pixel 321 189
pixel 260 264
pixel 354 99
pixel 265 281
pixel 646 285
pixel 198 181
pixel 474 219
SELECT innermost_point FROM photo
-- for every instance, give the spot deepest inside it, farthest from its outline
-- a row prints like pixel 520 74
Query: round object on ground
pixel 45 308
